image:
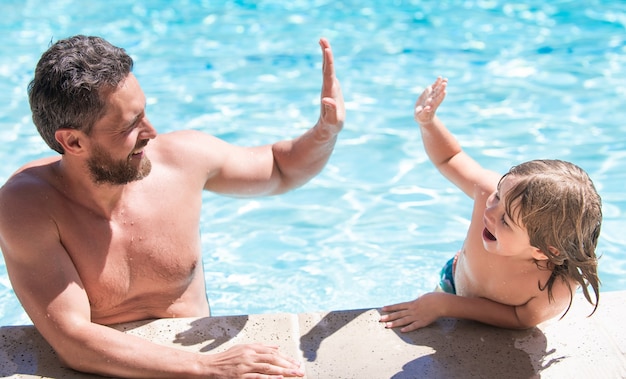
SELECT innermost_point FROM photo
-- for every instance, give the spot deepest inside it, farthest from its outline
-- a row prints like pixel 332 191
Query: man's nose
pixel 148 131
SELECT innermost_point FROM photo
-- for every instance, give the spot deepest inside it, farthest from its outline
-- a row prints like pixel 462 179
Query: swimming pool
pixel 526 80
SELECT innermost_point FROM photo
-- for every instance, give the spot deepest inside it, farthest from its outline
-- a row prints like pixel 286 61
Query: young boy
pixel 530 244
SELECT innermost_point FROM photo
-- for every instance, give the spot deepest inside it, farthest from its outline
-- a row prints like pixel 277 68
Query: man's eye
pixel 131 127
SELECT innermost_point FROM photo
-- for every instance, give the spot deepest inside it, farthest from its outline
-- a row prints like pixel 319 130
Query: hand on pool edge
pixel 415 314
pixel 255 359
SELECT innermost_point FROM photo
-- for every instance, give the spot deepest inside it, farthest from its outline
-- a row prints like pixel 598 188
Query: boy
pixel 531 240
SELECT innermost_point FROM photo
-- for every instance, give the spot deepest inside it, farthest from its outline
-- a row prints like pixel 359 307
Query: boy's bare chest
pixel 481 274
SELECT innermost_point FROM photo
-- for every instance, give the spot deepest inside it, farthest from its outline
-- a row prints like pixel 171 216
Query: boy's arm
pixel 442 147
pixel 426 309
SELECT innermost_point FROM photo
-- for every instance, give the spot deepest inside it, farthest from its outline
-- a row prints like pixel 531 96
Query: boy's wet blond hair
pixel 559 206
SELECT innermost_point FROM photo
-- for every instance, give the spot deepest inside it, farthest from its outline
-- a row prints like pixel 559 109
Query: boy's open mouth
pixel 488 236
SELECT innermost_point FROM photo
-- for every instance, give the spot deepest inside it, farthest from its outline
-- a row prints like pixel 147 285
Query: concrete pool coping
pixel 353 344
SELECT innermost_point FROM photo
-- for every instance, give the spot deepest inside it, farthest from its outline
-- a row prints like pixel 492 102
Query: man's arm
pixel 442 147
pixel 427 308
pixel 50 289
pixel 277 168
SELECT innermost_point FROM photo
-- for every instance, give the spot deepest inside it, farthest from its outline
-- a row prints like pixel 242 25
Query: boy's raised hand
pixel 429 101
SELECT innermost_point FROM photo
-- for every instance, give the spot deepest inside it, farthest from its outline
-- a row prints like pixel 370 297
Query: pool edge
pixel 353 344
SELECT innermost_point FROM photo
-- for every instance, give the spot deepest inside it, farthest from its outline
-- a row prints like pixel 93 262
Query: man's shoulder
pixel 41 164
pixel 187 146
pixel 184 137
pixel 29 180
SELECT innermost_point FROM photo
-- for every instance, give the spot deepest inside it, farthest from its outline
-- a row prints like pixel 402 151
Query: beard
pixel 106 170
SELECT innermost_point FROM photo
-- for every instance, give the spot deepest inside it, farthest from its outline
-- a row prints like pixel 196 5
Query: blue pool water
pixel 526 80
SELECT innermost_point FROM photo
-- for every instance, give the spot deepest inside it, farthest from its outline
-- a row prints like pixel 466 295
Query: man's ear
pixel 541 256
pixel 72 140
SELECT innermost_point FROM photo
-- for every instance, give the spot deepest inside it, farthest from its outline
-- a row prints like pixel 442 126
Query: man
pixel 107 232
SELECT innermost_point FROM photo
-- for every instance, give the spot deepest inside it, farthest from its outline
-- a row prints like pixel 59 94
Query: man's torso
pixel 144 260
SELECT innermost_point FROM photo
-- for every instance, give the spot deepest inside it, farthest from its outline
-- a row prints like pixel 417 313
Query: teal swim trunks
pixel 446 281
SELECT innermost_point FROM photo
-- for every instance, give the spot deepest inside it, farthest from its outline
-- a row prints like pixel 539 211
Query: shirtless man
pixel 531 241
pixel 108 232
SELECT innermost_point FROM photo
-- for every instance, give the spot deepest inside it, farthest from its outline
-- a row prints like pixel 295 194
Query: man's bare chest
pixel 137 255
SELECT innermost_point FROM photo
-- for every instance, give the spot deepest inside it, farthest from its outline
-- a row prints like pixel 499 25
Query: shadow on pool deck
pixel 353 344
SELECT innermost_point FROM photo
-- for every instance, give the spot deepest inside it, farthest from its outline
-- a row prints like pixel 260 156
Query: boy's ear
pixel 541 256
pixel 71 140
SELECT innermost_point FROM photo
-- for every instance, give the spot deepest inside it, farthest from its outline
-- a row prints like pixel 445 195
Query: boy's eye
pixel 504 221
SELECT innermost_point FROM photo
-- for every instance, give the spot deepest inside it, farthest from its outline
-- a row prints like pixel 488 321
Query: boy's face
pixel 503 236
